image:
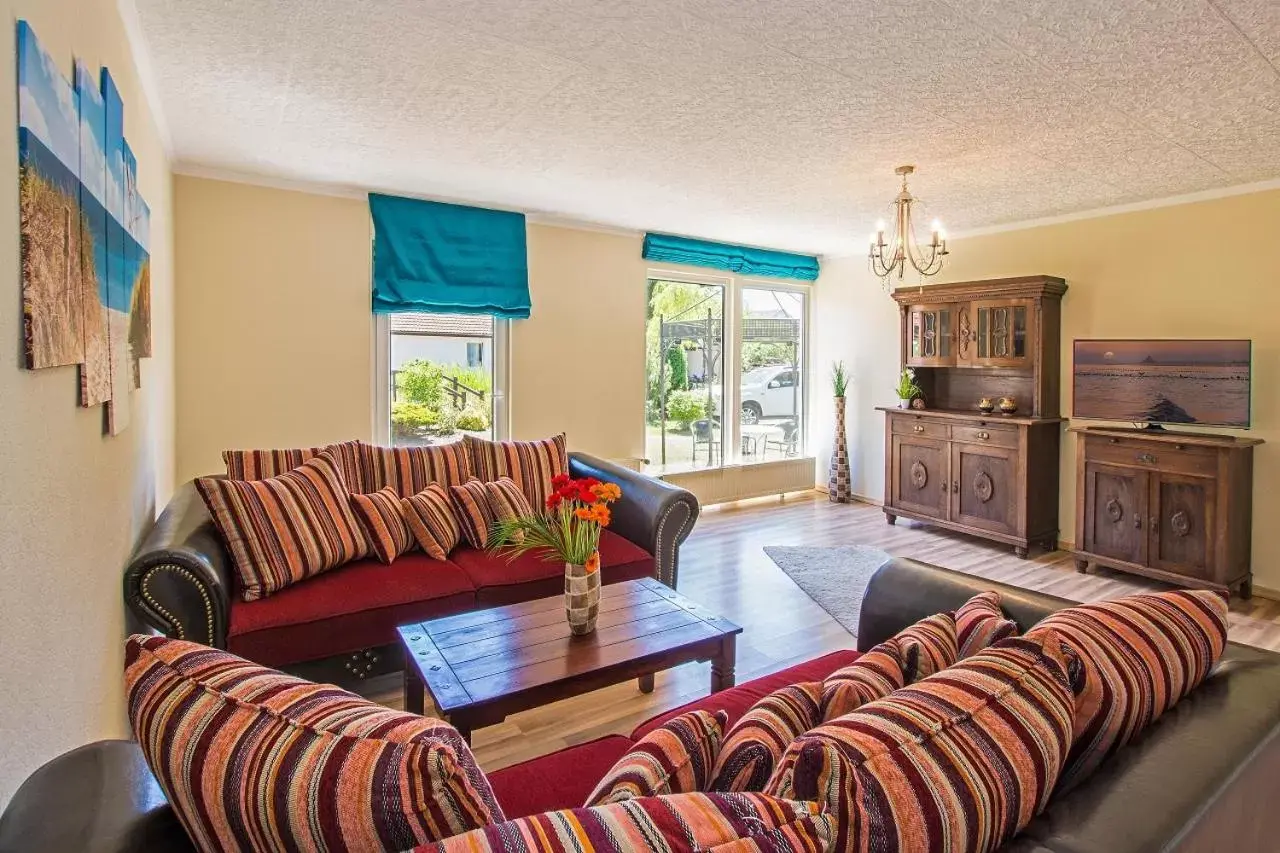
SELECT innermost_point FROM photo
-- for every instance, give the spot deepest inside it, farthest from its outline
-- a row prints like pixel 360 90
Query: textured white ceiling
pixel 776 122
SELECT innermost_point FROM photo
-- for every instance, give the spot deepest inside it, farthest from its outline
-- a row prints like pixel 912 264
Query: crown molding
pixel 142 66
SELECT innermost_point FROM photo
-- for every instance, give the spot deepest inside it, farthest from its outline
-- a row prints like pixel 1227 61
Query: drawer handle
pixel 918 428
pixel 955 486
pixel 984 435
pixel 1147 458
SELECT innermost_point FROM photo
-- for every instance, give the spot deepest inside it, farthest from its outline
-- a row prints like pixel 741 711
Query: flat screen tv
pixel 1162 381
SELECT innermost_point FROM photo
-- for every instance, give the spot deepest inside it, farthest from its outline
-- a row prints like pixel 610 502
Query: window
pixel 440 379
pixel 689 355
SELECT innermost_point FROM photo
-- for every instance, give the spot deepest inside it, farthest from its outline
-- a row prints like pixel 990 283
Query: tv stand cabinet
pixel 1173 506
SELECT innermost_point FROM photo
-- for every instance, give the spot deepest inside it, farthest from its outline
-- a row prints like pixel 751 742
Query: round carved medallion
pixel 983 487
pixel 919 475
pixel 1115 512
pixel 1180 522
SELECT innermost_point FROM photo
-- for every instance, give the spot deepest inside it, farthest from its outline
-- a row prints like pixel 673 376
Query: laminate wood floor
pixel 723 566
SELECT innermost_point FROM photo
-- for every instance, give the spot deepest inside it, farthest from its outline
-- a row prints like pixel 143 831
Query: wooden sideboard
pixel 1173 506
pixel 952 465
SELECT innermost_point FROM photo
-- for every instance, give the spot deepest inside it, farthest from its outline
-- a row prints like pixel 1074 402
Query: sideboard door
pixel 984 487
pixel 920 475
pixel 1115 512
pixel 1182 519
pixel 930 331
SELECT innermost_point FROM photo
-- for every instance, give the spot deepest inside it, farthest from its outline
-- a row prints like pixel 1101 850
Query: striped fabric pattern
pixel 383 523
pixel 675 758
pixel 531 464
pixel 928 646
pixel 981 623
pixel 286 528
pixel 264 464
pixel 429 515
pixel 252 759
pixel 872 676
pixel 756 742
pixel 678 823
pixel 409 470
pixel 1140 655
pixel 959 762
pixel 478 506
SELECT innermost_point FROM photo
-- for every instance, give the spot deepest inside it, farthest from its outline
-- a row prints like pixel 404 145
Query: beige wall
pixel 1208 269
pixel 73 502
pixel 276 334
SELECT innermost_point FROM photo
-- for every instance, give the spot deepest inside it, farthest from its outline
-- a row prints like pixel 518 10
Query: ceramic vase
pixel 581 598
pixel 839 485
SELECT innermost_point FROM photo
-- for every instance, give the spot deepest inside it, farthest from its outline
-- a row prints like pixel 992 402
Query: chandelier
pixel 902 248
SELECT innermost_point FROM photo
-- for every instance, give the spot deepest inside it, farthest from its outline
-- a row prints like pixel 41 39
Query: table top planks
pixel 488 656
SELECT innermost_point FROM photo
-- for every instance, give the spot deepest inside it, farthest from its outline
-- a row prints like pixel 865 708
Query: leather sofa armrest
pixel 179 581
pixel 903 591
pixel 653 514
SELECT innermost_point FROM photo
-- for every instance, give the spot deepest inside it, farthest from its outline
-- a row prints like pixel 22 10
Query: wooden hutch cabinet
pixel 990 475
pixel 1167 505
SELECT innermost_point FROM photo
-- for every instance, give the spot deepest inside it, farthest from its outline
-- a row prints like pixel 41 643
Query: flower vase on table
pixel 567 531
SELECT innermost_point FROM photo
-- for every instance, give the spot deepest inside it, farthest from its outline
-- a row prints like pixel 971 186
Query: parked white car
pixel 769 392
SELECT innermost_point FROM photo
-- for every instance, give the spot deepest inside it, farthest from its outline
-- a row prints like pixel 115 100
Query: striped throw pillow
pixel 252 759
pixel 872 676
pixel 675 758
pixel 531 464
pixel 429 515
pixel 959 762
pixel 677 823
pixel 928 646
pixel 756 742
pixel 263 464
pixel 383 523
pixel 478 506
pixel 1140 655
pixel 286 528
pixel 981 623
pixel 409 470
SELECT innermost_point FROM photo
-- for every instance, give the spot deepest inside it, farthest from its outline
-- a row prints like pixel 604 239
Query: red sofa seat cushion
pixel 528 576
pixel 349 608
pixel 560 780
pixel 736 701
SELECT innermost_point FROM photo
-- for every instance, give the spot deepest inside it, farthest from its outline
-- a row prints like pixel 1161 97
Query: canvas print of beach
pixel 85 230
pixel 1163 381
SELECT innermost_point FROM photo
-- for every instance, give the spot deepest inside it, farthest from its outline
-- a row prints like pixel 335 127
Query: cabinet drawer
pixel 995 436
pixel 915 425
pixel 1200 461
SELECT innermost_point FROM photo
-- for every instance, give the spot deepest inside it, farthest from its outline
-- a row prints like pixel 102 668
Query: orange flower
pixel 593 563
pixel 607 491
pixel 585 512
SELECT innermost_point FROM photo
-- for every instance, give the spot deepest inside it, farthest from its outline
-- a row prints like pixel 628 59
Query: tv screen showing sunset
pixel 1163 381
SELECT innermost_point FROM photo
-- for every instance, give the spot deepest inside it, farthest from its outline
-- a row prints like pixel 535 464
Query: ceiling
pixel 772 122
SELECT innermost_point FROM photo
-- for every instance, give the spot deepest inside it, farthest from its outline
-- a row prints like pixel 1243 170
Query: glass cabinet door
pixel 1002 332
pixel 931 333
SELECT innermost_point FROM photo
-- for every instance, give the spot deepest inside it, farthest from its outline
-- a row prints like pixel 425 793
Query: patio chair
pixel 789 440
pixel 708 433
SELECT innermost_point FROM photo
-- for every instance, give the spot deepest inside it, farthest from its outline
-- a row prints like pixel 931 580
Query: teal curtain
pixel 448 258
pixel 726 256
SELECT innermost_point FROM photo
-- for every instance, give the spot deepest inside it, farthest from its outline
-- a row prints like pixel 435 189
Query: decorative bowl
pixel 917 403
pixel 985 405
pixel 1008 405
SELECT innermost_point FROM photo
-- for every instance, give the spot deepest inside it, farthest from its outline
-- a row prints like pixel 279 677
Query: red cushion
pixel 349 608
pixel 529 576
pixel 561 780
pixel 737 700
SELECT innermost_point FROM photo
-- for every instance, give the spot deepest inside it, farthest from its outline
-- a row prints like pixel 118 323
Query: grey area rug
pixel 836 578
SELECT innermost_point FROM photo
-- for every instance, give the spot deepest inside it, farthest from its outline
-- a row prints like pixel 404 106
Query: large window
pixel 724 345
pixel 443 377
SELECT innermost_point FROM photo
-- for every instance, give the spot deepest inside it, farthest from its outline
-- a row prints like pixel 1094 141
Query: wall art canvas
pixel 85 230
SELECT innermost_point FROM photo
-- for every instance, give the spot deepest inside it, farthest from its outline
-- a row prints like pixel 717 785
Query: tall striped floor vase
pixel 839 485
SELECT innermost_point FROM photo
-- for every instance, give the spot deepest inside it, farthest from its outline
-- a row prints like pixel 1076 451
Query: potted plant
pixel 568 531
pixel 839 485
pixel 908 390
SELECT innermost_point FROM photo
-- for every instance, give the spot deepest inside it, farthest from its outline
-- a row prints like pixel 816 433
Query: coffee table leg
pixel 722 675
pixel 646 683
pixel 463 725
pixel 415 701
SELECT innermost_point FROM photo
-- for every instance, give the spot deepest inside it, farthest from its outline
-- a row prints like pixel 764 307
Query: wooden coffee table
pixel 482 666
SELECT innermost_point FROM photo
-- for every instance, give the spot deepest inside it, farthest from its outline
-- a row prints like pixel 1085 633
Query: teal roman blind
pixel 726 256
pixel 448 258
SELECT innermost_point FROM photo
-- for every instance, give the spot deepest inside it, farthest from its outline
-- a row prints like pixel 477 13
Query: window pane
pixel 442 377
pixel 684 347
pixel 771 387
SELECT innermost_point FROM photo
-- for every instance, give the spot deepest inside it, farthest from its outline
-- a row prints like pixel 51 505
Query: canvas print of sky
pixel 86 279
pixel 1188 382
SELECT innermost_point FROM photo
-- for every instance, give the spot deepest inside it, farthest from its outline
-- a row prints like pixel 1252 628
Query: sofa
pixel 1202 778
pixel 340 625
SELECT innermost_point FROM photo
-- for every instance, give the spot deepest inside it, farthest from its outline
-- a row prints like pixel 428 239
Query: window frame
pixel 731 450
pixel 381 392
